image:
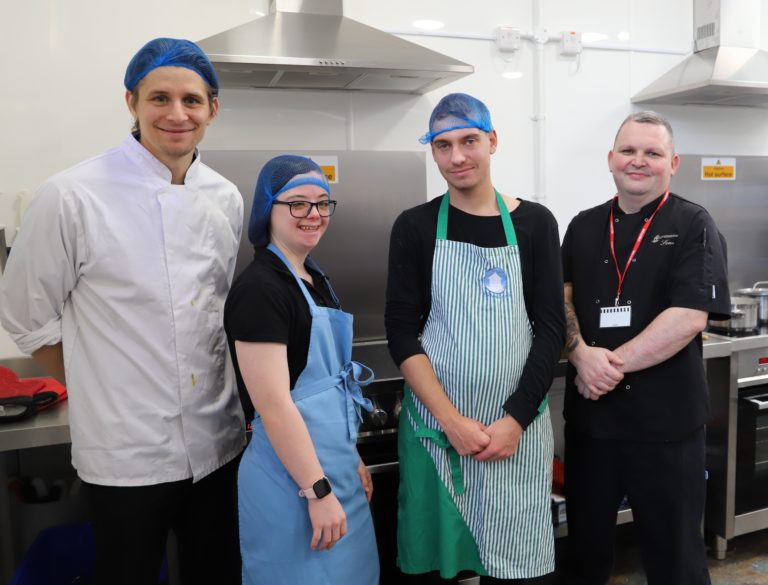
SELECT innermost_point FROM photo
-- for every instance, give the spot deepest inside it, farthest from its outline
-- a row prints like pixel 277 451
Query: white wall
pixel 61 96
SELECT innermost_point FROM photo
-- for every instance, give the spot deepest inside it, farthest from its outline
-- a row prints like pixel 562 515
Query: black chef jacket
pixel 680 263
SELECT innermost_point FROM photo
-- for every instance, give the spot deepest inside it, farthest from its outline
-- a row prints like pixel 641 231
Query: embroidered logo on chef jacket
pixel 495 281
pixel 664 239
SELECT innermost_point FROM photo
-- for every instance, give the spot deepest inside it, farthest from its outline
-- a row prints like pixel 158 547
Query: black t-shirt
pixel 265 304
pixel 680 263
pixel 409 286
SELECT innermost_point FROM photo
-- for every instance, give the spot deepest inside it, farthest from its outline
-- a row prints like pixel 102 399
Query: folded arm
pixel 665 336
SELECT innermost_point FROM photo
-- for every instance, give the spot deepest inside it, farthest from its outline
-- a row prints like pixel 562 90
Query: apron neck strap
pixel 509 229
pixel 277 252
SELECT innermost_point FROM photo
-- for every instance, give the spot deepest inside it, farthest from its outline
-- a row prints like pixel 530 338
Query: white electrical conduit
pixel 530 37
pixel 540 38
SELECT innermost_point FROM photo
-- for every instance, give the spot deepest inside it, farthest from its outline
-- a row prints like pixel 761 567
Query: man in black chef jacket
pixel 642 273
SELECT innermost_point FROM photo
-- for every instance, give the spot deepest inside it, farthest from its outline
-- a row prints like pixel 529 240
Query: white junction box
pixel 570 43
pixel 508 38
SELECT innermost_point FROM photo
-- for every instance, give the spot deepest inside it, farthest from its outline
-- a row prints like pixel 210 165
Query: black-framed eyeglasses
pixel 300 209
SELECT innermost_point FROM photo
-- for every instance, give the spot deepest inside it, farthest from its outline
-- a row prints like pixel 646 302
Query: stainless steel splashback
pixel 372 189
pixel 740 209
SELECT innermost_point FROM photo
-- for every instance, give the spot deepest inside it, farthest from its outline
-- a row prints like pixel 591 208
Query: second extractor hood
pixel 292 48
pixel 728 67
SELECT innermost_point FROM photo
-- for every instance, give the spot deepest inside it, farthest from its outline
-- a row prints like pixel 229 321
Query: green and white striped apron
pixel 456 513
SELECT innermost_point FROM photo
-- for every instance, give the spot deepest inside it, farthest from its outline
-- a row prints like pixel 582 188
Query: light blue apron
pixel 275 530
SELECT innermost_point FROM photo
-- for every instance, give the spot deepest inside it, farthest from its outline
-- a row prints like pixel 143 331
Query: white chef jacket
pixel 131 273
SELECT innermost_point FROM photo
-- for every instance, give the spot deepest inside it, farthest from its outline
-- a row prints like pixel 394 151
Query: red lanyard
pixel 638 241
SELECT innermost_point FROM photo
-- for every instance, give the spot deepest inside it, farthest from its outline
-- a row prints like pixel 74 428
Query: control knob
pixel 378 415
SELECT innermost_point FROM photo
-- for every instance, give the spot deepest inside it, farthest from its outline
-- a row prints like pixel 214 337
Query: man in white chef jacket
pixel 116 285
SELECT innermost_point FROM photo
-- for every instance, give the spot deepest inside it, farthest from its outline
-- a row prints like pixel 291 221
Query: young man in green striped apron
pixel 474 323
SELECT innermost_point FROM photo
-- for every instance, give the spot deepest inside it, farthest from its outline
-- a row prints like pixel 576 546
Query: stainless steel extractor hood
pixel 728 67
pixel 309 44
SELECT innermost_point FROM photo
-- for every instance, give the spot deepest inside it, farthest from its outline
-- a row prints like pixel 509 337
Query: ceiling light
pixel 512 75
pixel 623 36
pixel 428 24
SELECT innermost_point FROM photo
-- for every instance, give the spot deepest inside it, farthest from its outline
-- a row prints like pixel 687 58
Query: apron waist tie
pixel 349 381
pixel 352 386
pixel 439 438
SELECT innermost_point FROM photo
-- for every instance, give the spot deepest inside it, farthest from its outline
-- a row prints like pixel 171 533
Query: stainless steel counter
pixel 50 427
pixel 715 346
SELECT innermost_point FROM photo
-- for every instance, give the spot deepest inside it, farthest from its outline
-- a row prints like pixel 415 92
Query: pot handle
pixel 759 282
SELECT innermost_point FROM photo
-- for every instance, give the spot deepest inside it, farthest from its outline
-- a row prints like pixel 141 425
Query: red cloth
pixel 49 386
pixel 44 392
pixel 12 387
pixel 558 476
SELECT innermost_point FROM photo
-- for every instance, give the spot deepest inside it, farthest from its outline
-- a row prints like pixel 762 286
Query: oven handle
pixel 761 404
pixel 752 381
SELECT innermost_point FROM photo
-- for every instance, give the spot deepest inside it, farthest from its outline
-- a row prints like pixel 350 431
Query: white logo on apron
pixel 495 281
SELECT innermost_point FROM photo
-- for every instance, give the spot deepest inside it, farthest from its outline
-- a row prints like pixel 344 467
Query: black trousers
pixel 666 486
pixel 131 526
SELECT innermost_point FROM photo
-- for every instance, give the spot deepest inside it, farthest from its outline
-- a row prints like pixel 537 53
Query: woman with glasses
pixel 303 490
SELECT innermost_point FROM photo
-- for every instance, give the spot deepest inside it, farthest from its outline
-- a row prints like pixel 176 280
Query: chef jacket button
pixel 634 259
pixel 597 301
pixel 616 220
pixel 627 386
pixel 591 343
pixel 646 219
pixel 605 261
pixel 629 302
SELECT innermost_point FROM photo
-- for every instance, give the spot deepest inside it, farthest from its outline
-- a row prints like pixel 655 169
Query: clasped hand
pixel 494 442
pixel 598 371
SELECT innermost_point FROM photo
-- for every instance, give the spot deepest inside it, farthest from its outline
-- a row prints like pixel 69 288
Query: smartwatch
pixel 319 489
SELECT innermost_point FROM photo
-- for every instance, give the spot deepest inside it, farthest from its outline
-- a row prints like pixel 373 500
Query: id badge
pixel 620 316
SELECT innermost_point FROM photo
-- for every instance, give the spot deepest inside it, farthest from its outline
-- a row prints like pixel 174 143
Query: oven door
pixel 377 445
pixel 752 450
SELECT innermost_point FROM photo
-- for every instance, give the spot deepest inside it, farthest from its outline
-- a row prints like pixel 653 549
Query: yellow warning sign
pixel 718 169
pixel 330 173
pixel 329 164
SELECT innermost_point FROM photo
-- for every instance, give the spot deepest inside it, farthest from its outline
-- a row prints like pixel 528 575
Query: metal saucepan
pixel 743 316
pixel 761 295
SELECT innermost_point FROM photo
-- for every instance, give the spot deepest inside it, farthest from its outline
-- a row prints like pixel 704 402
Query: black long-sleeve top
pixel 409 287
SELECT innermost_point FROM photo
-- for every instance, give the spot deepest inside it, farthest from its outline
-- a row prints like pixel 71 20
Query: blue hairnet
pixel 455 111
pixel 165 52
pixel 277 176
